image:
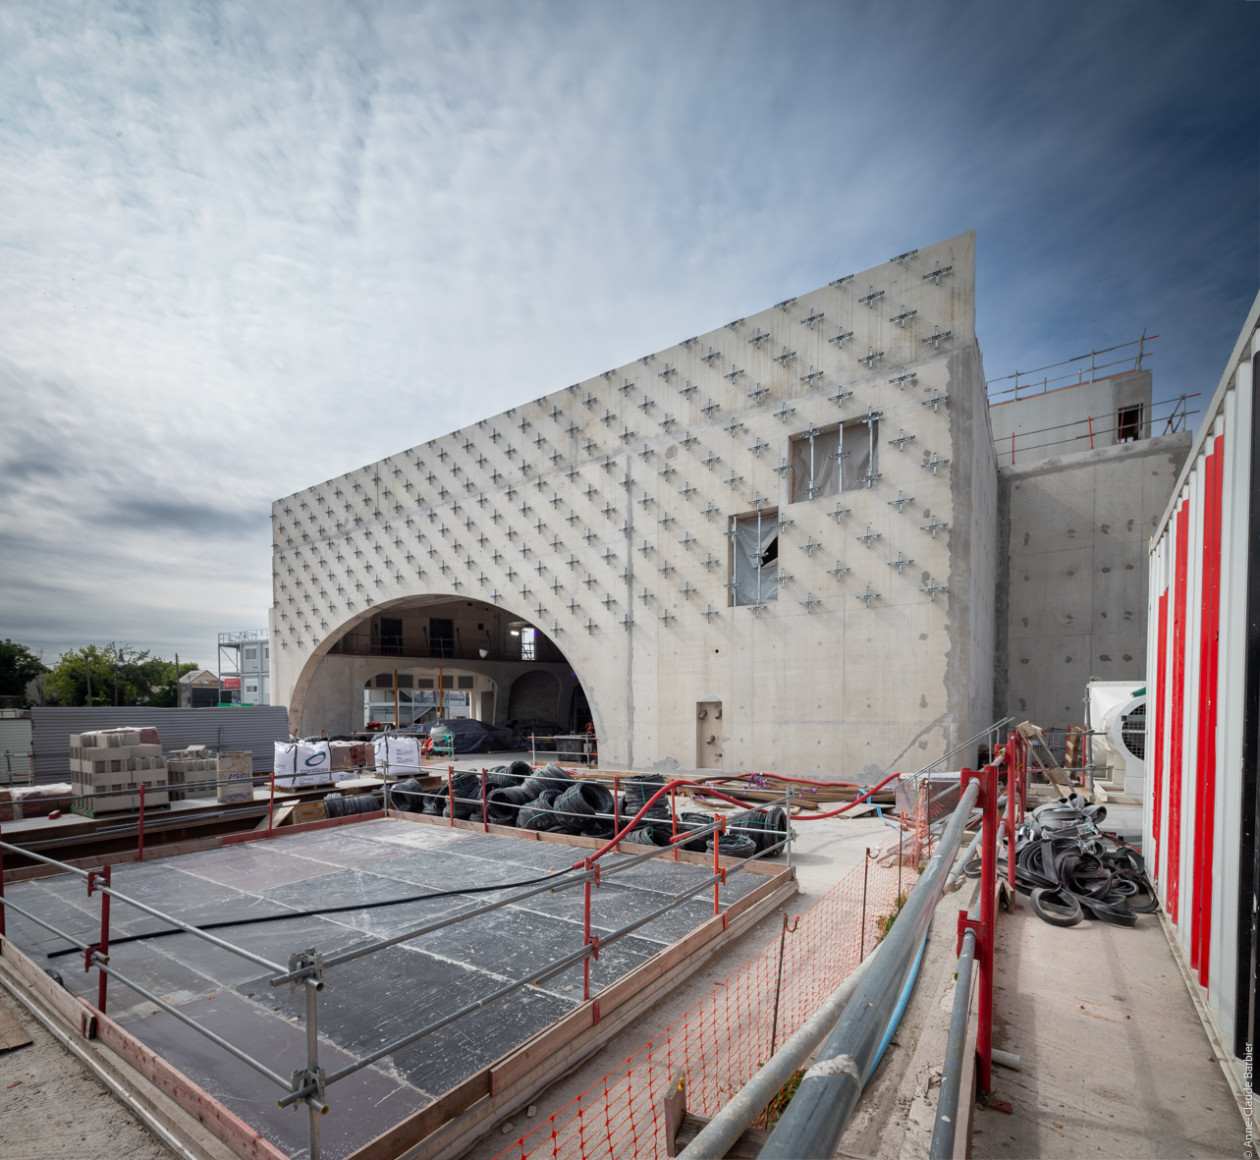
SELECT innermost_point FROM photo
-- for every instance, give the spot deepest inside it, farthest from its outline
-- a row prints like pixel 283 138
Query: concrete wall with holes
pixel 1074 534
pixel 600 513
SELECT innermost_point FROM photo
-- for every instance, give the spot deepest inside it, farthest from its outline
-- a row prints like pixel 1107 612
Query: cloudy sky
pixel 247 247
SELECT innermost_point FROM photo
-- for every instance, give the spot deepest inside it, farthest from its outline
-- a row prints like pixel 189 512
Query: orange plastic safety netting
pixel 721 1041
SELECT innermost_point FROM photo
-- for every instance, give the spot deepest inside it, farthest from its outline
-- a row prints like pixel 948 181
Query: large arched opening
pixel 408 660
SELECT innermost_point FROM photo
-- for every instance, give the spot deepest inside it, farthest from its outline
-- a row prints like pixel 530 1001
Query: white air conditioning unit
pixel 1117 715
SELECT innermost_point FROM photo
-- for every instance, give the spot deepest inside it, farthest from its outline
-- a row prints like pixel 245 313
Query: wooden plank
pixel 12 1033
pixel 226 1126
pixel 406 1133
pixel 755 895
pixel 74 1012
pixel 674 1111
pixel 612 996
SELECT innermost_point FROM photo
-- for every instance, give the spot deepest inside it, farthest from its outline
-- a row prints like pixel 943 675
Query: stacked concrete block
pixel 189 766
pixel 111 760
pixel 236 769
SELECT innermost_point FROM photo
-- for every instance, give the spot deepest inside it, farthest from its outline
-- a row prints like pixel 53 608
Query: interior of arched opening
pixel 420 658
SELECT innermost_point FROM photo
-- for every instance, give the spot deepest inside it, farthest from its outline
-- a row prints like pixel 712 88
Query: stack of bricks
pixel 191 765
pixel 236 769
pixel 110 760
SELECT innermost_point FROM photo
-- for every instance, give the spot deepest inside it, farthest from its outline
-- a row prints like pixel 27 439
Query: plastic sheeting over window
pixel 755 558
pixel 859 455
pixel 815 464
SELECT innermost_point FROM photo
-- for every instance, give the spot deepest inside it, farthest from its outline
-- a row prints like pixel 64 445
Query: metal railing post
pixel 140 850
pixel 987 779
pixel 3 908
pixel 312 1064
pixel 485 813
pixel 617 808
pixel 271 806
pixel 102 985
pixel 673 822
pixel 450 791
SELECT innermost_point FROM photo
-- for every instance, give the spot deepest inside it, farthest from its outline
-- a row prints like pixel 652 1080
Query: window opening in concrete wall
pixel 859 454
pixel 755 558
pixel 441 637
pixel 528 651
pixel 1129 424
pixel 815 456
pixel 388 632
pixel 467 682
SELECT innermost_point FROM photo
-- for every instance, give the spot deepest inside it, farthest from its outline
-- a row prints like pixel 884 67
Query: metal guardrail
pixel 307 967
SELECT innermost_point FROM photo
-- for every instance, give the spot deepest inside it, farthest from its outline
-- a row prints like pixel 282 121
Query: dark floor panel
pixel 252 866
pixel 374 1000
pixel 361 1106
pixel 335 847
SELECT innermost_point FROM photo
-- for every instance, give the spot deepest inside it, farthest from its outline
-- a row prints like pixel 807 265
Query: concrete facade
pixel 602 513
pixel 1074 533
pixel 1082 417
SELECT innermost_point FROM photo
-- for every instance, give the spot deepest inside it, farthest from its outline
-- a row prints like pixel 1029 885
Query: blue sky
pixel 247 247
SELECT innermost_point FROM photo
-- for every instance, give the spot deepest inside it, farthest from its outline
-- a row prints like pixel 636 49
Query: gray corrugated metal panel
pixel 15 744
pixel 255 729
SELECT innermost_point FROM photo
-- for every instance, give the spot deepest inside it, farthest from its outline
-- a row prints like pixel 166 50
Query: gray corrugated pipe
pixel 718 1136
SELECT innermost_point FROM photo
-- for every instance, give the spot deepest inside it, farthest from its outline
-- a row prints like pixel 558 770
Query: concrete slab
pixel 1115 1060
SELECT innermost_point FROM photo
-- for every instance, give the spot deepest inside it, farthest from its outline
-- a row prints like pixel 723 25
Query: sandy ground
pixel 53 1108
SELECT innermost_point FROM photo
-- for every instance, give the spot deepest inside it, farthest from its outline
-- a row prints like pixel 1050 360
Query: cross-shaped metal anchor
pixel 899 563
pixel 689 439
pixel 757 609
pixel 590 625
pixel 810 378
pixel 869 537
pixel 933 526
pixel 709 613
pixel 784 577
pixel 688 491
pixel 666 617
pixel 666 423
pixel 733 373
pixel 645 595
pixel 759 337
pixel 609 600
pixel 868 300
pixel 710 459
pixel 733 480
pixel 626 387
pixel 935 401
pixel 666 568
pixel 810 602
pixel 647 405
pixel 900 502
pixel 688 590
pixel 711 356
pixel 939 273
pixel 590 537
pixel 710 511
pixel 783 412
pixel 589 581
pixel 783 357
pixel 905 377
pixel 812 317
pixel 840 513
pixel 758 393
pixel 758 501
pixel 932 588
pixel 871 416
pixel 589 401
pixel 810 546
pixel 709 561
pixel 839 397
pixel 784 466
pixel 839 570
pixel 871 357
pixel 556 586
pixel 840 335
pixel 937 337
pixel 868 596
pixel 901 440
pixel 758 447
pixel 838 282
pixel 626 435
pixel 667 471
pixel 785 304
pixel 709 408
pixel 935 462
pixel 645 548
pixel 689 390
pixel 733 428
pixel 669 370
pixel 903 317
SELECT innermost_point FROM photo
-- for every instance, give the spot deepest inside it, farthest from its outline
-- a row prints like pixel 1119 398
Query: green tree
pixel 114 674
pixel 18 666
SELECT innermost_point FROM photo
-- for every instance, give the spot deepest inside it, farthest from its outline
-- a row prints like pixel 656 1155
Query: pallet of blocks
pixel 188 766
pixel 234 771
pixel 115 762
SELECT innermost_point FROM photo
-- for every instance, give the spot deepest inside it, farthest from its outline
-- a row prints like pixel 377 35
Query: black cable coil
pixel 550 777
pixel 503 805
pixel 539 813
pixel 336 806
pixel 407 796
pixel 733 846
pixel 766 828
